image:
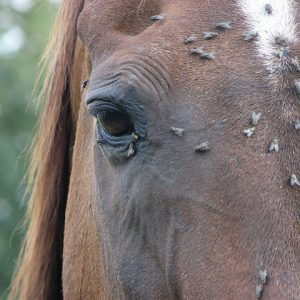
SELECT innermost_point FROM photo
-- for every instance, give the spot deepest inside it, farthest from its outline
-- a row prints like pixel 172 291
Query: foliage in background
pixel 24 28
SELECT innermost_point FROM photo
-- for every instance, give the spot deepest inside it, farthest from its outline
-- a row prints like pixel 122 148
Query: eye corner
pixel 92 111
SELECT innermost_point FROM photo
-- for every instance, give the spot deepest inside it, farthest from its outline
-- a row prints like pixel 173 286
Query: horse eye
pixel 115 121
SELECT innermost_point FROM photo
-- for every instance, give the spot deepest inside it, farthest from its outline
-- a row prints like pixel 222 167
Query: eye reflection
pixel 115 121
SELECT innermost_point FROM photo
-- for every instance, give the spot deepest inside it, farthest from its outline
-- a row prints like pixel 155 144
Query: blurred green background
pixel 24 29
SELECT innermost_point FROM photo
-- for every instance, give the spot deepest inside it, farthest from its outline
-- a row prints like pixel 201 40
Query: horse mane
pixel 38 274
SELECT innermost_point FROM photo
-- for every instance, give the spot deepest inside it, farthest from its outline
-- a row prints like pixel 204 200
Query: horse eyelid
pixel 96 106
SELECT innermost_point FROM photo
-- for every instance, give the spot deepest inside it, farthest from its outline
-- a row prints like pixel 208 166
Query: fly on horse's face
pixel 184 178
pixel 194 148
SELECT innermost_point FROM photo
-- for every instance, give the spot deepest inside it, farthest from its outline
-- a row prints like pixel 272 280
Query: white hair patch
pixel 274 22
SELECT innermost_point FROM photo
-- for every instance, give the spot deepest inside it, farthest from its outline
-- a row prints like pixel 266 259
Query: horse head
pixel 167 164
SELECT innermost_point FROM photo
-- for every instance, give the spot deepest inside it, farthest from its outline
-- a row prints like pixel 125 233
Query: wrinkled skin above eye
pixel 115 121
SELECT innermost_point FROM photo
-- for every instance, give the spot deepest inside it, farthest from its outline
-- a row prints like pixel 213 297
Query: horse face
pixel 177 196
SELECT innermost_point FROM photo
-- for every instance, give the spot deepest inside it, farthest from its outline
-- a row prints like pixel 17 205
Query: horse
pixel 166 163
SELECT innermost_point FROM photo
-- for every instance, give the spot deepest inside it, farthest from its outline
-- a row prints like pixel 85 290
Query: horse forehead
pixel 107 24
pixel 100 16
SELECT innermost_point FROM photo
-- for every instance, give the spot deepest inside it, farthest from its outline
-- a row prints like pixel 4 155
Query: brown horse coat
pixel 149 217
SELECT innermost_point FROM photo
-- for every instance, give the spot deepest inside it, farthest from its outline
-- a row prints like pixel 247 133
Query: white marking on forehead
pixel 279 24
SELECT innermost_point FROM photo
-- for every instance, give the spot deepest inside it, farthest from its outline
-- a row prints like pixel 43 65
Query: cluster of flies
pixel 255 117
pixel 207 55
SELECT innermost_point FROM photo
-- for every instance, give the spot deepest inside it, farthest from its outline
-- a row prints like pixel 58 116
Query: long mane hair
pixel 38 275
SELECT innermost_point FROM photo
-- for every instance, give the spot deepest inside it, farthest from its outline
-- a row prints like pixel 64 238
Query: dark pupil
pixel 115 121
